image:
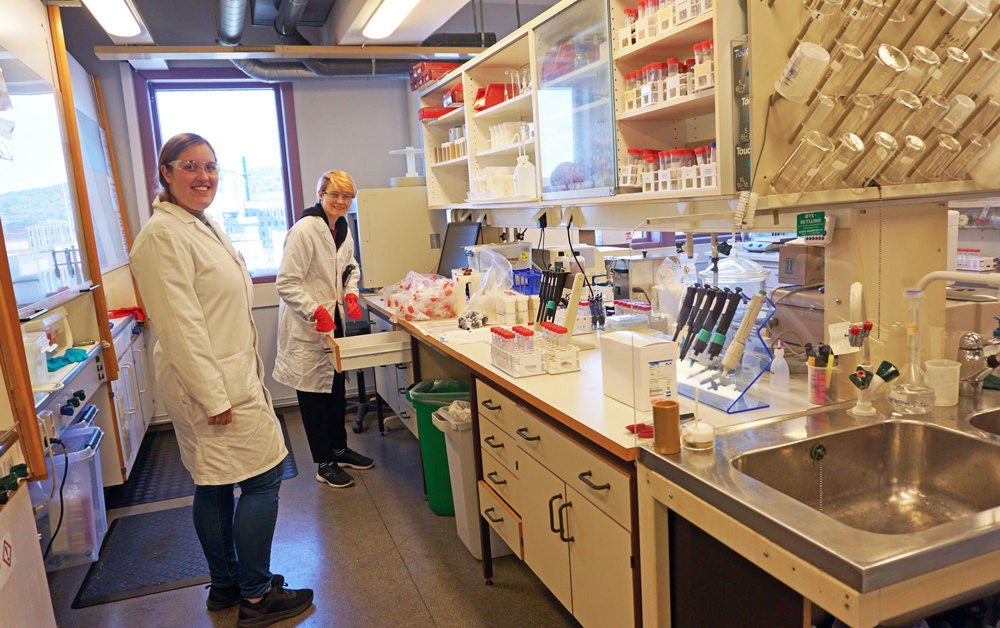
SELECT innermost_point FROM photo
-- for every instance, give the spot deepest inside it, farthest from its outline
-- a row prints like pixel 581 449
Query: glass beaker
pixel 860 23
pixel 931 111
pixel 802 164
pixel 923 63
pixel 975 147
pixel 889 62
pixel 942 16
pixel 902 164
pixel 984 68
pixel 939 155
pixel 860 110
pixel 880 150
pixel 847 63
pixel 982 119
pixel 804 71
pixel 831 170
pixel 823 23
pixel 819 116
pixel 954 61
pixel 903 105
pixel 963 31
pixel 909 393
pixel 961 107
pixel 896 28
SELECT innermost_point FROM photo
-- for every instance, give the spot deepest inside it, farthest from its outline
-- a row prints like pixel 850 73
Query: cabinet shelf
pixel 674 109
pixel 451 162
pixel 600 102
pixel 681 36
pixel 451 117
pixel 443 84
pixel 519 105
pixel 508 150
pixel 577 74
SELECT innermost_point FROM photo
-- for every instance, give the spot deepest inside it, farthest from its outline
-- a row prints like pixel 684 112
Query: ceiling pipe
pixel 289 14
pixel 232 17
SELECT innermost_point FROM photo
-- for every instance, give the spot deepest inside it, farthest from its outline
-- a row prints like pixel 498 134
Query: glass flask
pixel 909 393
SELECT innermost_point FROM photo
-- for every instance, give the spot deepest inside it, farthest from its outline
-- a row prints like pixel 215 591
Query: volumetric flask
pixel 847 64
pixel 902 106
pixel 902 164
pixel 831 169
pixel 981 120
pixel 985 68
pixel 973 151
pixel 860 111
pixel 941 17
pixel 860 23
pixel 819 116
pixel 823 23
pixel 923 63
pixel 961 108
pixel 930 113
pixel 962 32
pixel 804 71
pixel 940 152
pixel 888 64
pixel 954 61
pixel 803 164
pixel 880 150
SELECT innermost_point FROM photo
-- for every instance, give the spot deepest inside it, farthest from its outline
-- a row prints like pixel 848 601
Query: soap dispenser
pixel 779 369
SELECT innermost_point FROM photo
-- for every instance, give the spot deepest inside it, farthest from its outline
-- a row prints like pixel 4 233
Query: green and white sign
pixel 810 224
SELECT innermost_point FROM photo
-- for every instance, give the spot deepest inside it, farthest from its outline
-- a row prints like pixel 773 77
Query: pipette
pixel 684 329
pixel 682 316
pixel 706 330
pixel 719 337
pixel 735 351
pixel 699 320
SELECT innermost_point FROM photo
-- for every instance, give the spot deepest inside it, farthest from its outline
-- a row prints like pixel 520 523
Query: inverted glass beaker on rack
pixel 880 150
pixel 831 170
pixel 802 164
pixel 902 164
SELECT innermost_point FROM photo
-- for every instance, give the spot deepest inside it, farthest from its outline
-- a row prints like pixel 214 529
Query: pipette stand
pixel 574 300
pixel 411 178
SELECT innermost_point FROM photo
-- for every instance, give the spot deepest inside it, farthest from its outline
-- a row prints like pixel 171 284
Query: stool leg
pixel 359 422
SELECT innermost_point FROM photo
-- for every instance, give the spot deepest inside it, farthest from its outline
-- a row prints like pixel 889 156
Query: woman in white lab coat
pixel 198 294
pixel 317 280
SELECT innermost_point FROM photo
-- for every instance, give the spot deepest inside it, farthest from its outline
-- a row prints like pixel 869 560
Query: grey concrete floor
pixel 374 554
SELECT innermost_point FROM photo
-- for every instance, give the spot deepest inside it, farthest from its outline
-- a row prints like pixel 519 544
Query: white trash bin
pixel 462 467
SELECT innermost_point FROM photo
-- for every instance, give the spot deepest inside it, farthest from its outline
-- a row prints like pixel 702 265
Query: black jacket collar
pixel 339 229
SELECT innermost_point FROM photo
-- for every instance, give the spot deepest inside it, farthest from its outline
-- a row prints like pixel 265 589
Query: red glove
pixel 353 309
pixel 324 322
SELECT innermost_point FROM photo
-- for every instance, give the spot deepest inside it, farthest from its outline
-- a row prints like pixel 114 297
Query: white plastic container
pixel 36 346
pixel 55 324
pixel 460 448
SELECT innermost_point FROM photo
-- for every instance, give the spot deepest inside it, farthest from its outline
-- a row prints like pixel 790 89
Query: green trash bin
pixel 426 397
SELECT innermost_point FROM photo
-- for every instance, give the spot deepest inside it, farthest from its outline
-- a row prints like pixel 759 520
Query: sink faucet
pixel 976 366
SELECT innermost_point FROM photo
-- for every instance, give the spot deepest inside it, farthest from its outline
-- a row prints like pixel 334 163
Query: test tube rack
pixel 513 354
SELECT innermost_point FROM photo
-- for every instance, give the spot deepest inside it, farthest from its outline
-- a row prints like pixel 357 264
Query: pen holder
pixel 822 384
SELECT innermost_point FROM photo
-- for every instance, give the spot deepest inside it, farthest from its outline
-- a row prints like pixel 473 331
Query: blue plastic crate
pixel 527 281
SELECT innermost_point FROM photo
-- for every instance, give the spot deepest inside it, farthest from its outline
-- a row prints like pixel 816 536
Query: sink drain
pixel 818 452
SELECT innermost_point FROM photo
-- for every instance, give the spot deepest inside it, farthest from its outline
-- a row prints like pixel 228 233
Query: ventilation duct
pixel 232 16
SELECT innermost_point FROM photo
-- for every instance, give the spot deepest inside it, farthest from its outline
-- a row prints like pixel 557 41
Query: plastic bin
pixel 461 450
pixel 426 397
pixel 85 521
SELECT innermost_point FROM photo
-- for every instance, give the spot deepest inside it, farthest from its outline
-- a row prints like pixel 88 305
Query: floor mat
pixel 144 554
pixel 158 473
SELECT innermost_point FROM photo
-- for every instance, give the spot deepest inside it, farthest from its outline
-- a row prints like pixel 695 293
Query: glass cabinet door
pixel 575 110
pixel 37 202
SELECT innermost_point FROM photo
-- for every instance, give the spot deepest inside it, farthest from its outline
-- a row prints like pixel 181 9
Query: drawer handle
pixel 562 524
pixel 486 513
pixel 585 478
pixel 491 440
pixel 495 478
pixel 521 432
pixel 552 518
pixel 401 391
pixel 404 415
pixel 401 367
pixel 487 404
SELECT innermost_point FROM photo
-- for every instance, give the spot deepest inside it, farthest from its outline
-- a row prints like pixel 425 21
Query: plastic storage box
pixel 84 521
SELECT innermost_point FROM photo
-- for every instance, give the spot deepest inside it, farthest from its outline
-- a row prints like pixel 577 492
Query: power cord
pixel 62 505
pixel 576 258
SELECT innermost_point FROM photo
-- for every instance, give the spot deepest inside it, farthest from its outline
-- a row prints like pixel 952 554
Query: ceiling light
pixel 114 16
pixel 387 18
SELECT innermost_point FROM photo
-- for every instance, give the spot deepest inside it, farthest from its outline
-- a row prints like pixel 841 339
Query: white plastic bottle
pixel 779 369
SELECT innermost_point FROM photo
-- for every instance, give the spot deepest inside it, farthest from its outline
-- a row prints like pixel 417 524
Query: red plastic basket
pixel 427 71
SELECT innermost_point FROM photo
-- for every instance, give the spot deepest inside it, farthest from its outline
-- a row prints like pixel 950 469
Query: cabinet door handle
pixel 552 517
pixel 401 391
pixel 138 357
pixel 585 478
pixel 521 432
pixel 491 440
pixel 401 367
pixel 562 524
pixel 487 404
pixel 486 513
pixel 495 478
pixel 128 367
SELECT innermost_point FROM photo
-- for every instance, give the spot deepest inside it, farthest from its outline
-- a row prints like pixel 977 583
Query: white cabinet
pixel 392 380
pixel 132 405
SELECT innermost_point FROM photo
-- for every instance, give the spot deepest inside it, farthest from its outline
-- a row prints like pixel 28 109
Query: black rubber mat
pixel 158 473
pixel 144 554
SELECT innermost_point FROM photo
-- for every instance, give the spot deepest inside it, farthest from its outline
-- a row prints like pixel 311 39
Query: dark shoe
pixel 332 474
pixel 220 598
pixel 277 604
pixel 354 460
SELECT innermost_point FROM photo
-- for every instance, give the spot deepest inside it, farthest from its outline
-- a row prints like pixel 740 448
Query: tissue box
pixel 638 368
pixel 800 265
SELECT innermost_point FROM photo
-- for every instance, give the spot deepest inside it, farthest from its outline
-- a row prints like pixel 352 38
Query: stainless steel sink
pixel 892 477
pixel 988 421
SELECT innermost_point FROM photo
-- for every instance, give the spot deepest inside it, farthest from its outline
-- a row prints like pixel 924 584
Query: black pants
pixel 323 414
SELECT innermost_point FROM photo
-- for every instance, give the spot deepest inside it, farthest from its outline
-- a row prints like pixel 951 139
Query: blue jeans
pixel 238 546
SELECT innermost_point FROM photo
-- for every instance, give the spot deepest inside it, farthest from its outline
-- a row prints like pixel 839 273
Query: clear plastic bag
pixel 672 278
pixel 420 297
pixel 496 278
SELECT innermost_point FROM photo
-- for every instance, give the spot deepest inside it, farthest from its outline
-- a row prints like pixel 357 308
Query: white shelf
pixel 681 36
pixel 577 74
pixel 455 116
pixel 600 102
pixel 516 106
pixel 451 162
pixel 674 109
pixel 513 149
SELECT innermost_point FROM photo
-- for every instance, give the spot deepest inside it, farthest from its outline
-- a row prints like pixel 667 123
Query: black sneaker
pixel 220 598
pixel 332 474
pixel 354 460
pixel 277 604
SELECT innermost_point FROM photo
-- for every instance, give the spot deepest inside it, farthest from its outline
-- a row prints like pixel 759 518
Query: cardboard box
pixel 800 264
pixel 638 367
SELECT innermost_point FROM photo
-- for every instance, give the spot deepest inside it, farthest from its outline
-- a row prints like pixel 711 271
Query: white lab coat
pixel 198 295
pixel 311 274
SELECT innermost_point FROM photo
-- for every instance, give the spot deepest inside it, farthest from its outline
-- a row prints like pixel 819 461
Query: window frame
pixel 147 82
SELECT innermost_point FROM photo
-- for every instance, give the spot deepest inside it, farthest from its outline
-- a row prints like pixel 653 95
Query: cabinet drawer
pixel 404 374
pixel 407 415
pixel 498 443
pixel 598 481
pixel 502 481
pixel 496 406
pixel 501 518
pixel 356 352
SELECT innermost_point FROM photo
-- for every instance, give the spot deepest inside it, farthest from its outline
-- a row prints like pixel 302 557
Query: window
pixel 250 126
